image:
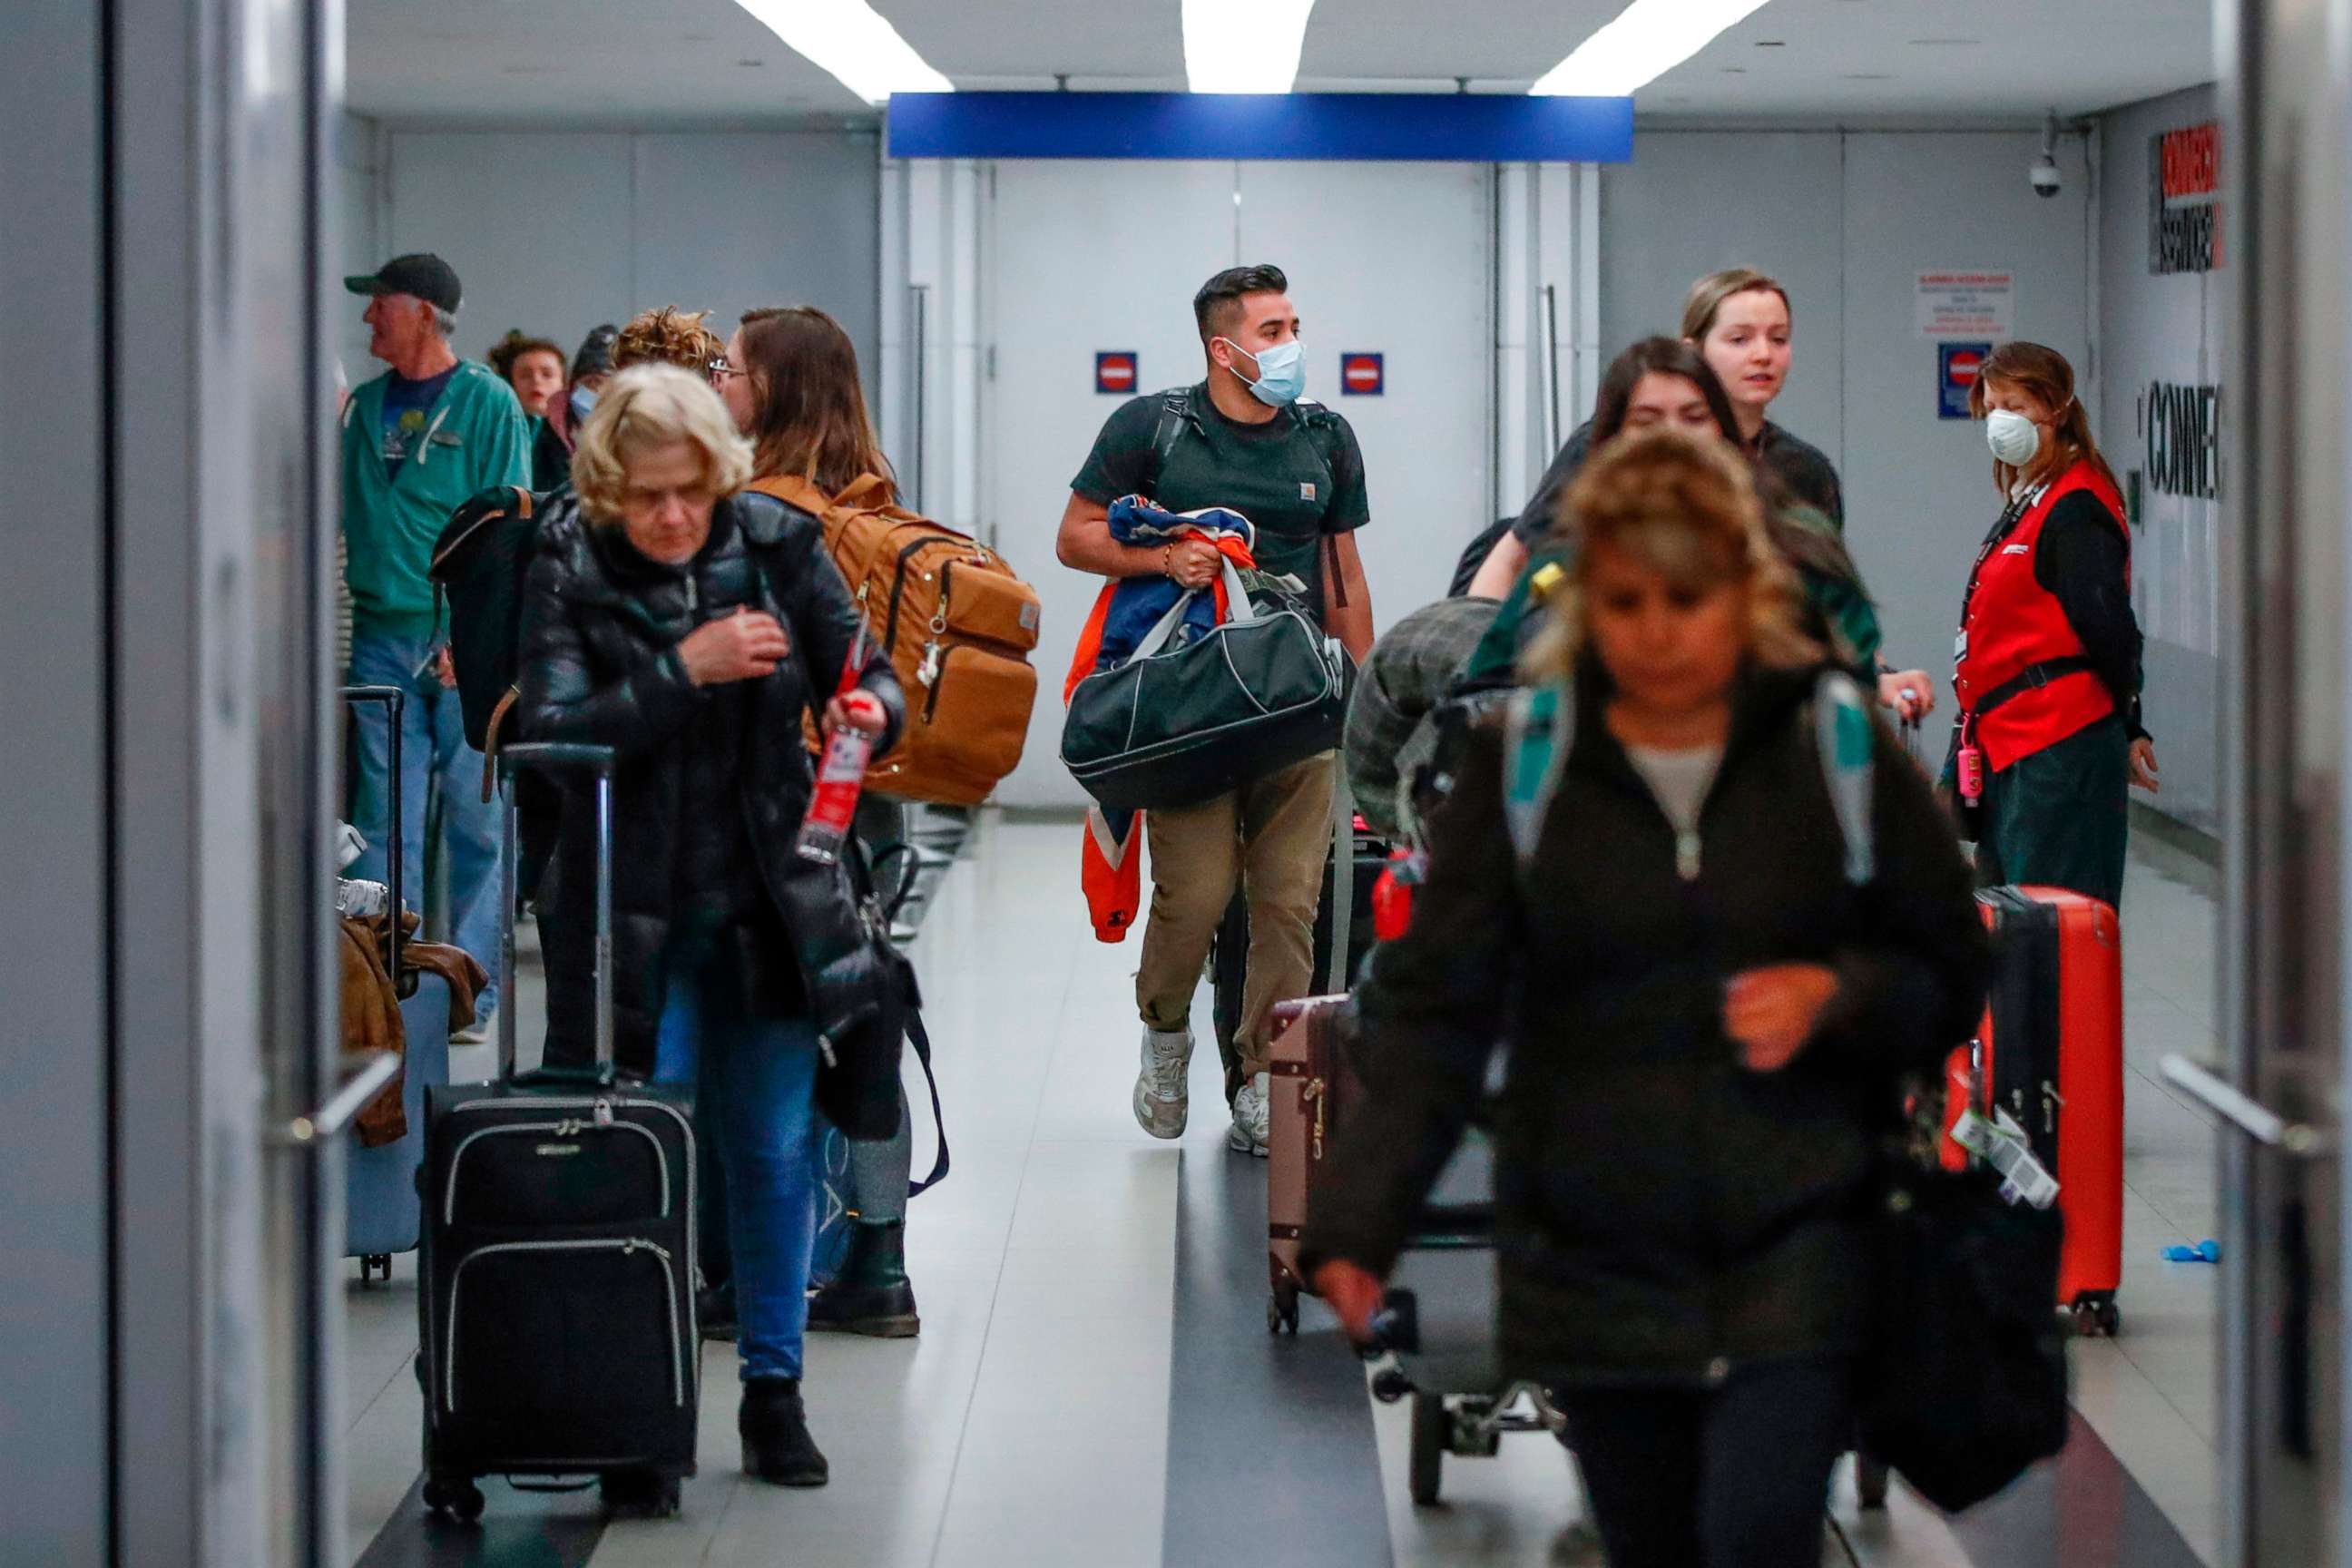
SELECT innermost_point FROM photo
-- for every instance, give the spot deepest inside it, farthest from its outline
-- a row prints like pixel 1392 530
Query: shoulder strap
pixel 1175 413
pixel 1538 732
pixel 1845 733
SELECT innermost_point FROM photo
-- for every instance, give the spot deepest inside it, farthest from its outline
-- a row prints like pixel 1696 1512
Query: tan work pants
pixel 1272 835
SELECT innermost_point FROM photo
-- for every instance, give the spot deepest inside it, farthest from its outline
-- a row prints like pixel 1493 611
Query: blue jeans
pixel 754 1082
pixel 432 748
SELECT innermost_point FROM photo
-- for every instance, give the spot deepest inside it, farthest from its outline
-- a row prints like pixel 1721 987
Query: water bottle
pixel 840 778
pixel 840 775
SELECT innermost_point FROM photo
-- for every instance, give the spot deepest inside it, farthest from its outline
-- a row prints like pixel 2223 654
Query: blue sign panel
pixel 1473 128
pixel 1956 371
pixel 1363 375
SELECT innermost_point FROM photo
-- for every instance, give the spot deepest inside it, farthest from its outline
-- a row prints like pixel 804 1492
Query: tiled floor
pixel 1030 1423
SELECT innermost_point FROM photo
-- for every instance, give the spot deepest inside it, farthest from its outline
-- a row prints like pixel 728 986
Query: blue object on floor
pixel 2206 1251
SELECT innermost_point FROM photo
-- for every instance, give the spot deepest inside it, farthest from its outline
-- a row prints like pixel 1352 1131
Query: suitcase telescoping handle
pixel 556 757
pixel 396 709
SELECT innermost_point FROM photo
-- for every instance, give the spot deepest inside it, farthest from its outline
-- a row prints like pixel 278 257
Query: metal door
pixel 2279 1094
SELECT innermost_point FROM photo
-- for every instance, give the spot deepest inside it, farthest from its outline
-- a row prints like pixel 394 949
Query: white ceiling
pixel 706 61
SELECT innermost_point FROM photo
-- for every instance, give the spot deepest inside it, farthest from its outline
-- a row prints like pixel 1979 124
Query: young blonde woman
pixel 1705 1010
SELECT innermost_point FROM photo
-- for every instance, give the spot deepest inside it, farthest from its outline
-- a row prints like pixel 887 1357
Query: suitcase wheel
pixel 1282 1310
pixel 2097 1317
pixel 1870 1477
pixel 455 1497
pixel 1431 1434
pixel 642 1494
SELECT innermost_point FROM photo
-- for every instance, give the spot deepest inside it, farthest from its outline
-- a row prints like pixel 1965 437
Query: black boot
pixel 776 1442
pixel 871 1295
pixel 714 1308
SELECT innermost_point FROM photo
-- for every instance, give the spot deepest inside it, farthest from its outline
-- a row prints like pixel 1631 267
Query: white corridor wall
pixel 1080 257
pixel 1847 221
pixel 556 231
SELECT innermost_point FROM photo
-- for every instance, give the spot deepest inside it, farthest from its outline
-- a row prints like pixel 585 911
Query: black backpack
pixel 478 572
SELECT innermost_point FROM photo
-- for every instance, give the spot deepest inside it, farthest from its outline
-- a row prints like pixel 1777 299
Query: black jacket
pixel 1664 1214
pixel 600 664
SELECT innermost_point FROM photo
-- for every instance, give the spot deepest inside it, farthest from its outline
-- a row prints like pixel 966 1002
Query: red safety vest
pixel 2011 624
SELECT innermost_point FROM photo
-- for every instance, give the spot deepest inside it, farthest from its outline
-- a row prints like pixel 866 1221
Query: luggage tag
pixel 2001 1143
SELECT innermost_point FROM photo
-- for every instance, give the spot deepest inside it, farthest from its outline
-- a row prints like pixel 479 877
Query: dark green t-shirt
pixel 1299 477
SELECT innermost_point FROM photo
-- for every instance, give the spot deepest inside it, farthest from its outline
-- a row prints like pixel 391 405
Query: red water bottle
pixel 840 775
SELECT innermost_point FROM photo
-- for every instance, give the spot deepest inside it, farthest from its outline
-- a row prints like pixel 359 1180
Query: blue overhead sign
pixel 1453 127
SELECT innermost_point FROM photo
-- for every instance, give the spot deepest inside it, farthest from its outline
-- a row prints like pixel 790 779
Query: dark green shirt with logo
pixel 1299 477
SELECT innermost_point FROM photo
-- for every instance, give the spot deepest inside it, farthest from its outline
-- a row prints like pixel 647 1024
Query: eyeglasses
pixel 721 370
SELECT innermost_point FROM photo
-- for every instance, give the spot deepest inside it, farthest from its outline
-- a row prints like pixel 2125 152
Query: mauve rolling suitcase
pixel 557 1315
pixel 2051 1054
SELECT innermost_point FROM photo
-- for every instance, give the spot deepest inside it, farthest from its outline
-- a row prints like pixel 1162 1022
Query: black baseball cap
pixel 423 274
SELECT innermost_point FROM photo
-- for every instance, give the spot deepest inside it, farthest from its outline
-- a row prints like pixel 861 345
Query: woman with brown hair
pixel 1711 957
pixel 789 377
pixel 2047 663
pixel 1739 320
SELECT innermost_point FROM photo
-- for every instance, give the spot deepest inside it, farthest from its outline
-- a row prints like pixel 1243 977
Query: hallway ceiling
pixel 706 61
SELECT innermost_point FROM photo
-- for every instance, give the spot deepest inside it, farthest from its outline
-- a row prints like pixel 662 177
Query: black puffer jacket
pixel 600 664
pixel 1664 1212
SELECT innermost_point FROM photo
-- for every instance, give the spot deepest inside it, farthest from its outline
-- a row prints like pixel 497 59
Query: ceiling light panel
pixel 1648 38
pixel 1244 45
pixel 848 39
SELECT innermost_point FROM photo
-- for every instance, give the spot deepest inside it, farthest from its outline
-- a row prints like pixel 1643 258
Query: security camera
pixel 2044 173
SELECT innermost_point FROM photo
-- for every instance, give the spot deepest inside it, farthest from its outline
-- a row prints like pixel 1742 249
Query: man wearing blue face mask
pixel 1243 439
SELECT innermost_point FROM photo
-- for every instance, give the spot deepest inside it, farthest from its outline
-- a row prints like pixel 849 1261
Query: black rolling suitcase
pixel 557 1326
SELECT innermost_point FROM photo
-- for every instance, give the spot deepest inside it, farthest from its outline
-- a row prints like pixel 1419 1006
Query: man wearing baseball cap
pixel 416 441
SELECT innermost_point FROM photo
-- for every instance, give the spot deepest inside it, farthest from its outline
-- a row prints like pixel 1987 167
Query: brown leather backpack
pixel 958 625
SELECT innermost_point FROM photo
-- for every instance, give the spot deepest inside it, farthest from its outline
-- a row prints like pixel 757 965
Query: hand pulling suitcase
pixel 2051 1054
pixel 557 1324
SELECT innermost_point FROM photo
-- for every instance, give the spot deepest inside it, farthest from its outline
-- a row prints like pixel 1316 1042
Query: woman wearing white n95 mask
pixel 2047 661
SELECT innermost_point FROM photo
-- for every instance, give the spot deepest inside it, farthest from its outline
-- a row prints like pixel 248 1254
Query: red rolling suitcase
pixel 2051 1054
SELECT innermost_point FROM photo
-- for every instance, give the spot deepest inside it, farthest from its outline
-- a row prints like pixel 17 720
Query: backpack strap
pixel 1847 739
pixel 1176 412
pixel 1538 732
pixel 855 494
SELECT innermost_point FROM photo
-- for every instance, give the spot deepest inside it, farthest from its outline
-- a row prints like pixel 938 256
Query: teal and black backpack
pixel 1540 731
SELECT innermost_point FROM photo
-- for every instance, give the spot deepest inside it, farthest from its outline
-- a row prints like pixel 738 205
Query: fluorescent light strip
pixel 1244 45
pixel 1648 38
pixel 850 39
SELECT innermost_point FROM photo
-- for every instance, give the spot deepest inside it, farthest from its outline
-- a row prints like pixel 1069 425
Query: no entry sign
pixel 1957 365
pixel 1362 376
pixel 1115 370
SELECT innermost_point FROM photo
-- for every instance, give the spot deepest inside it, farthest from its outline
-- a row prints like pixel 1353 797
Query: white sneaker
pixel 1161 1092
pixel 478 1033
pixel 1253 1110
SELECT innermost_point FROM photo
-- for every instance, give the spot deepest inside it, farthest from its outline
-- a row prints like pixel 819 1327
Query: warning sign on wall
pixel 1957 365
pixel 1968 304
pixel 1115 370
pixel 1362 376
